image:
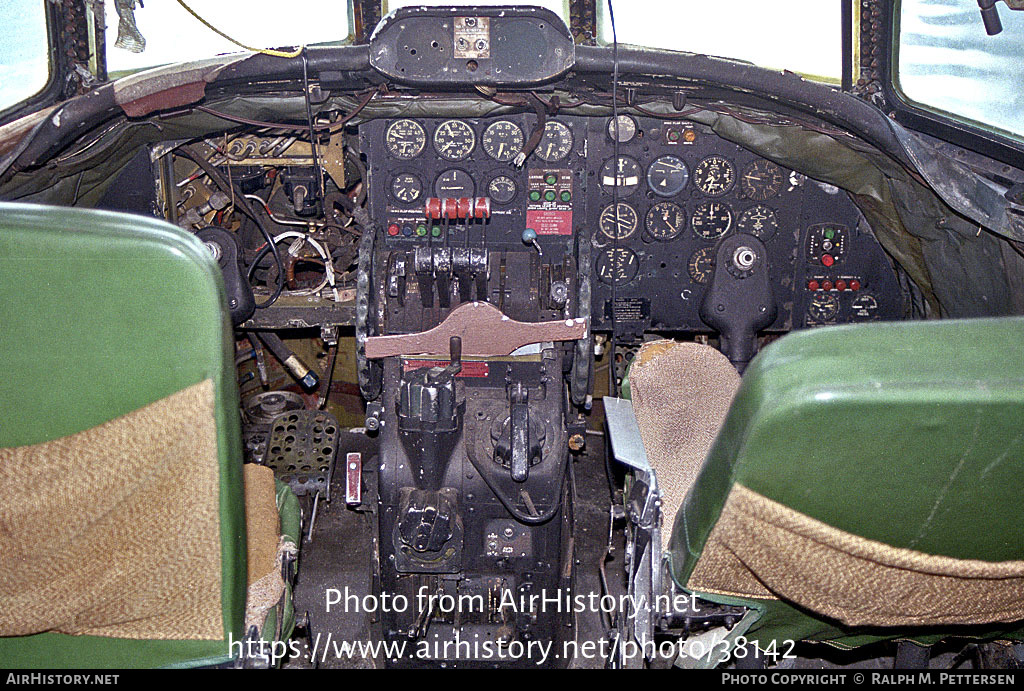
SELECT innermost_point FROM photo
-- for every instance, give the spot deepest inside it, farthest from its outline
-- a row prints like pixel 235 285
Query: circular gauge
pixel 502 140
pixel 626 129
pixel 618 228
pixel 502 189
pixel 761 180
pixel 665 220
pixel 405 139
pixel 406 187
pixel 714 176
pixel 711 220
pixel 624 171
pixel 701 263
pixel 667 176
pixel 823 307
pixel 556 142
pixel 454 140
pixel 865 307
pixel 617 265
pixel 760 221
pixel 454 183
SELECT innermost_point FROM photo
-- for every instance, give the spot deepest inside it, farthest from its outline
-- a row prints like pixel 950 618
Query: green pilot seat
pixel 130 535
pixel 865 482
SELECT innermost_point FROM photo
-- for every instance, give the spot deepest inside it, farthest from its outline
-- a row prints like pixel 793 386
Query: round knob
pixel 743 258
pixel 529 235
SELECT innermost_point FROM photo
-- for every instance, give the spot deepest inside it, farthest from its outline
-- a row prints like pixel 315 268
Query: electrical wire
pixel 244 207
pixel 265 51
pixel 613 385
pixel 330 127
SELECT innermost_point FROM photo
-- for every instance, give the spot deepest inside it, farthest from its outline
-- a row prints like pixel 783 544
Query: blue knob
pixel 529 235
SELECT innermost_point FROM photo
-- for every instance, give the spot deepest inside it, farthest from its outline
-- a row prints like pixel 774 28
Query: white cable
pixel 328 263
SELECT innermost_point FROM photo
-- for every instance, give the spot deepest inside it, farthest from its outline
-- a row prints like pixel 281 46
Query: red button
pixel 840 284
pixel 827 285
pixel 828 259
pixel 450 207
pixel 854 284
pixel 465 207
pixel 482 207
pixel 393 229
pixel 812 285
pixel 433 207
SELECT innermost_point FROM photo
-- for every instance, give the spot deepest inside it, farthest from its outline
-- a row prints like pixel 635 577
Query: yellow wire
pixel 266 51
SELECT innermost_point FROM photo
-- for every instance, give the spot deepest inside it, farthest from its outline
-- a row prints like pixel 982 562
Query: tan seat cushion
pixel 762 549
pixel 681 393
pixel 264 546
pixel 115 531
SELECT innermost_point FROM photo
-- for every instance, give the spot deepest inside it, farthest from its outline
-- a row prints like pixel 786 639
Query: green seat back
pixel 909 434
pixel 101 314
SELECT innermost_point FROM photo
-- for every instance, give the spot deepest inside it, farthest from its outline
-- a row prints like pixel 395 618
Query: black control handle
pixel 519 425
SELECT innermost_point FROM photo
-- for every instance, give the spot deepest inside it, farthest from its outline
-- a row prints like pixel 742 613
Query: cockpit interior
pixel 481 339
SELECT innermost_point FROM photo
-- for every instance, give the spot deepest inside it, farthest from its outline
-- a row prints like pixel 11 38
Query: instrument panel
pixel 650 197
pixel 682 189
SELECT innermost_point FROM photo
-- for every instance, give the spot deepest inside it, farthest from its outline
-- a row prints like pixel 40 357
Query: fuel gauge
pixel 617 265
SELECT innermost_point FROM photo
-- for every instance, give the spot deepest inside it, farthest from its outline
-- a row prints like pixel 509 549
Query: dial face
pixel 502 140
pixel 622 227
pixel 406 187
pixel 405 139
pixel 556 142
pixel 665 220
pixel 454 183
pixel 865 307
pixel 714 176
pixel 711 220
pixel 760 221
pixel 626 129
pixel 623 170
pixel 701 264
pixel 454 140
pixel 617 265
pixel 667 176
pixel 761 180
pixel 823 307
pixel 502 189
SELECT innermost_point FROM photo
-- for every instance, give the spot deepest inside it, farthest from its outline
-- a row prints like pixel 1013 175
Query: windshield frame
pixel 956 130
pixel 50 91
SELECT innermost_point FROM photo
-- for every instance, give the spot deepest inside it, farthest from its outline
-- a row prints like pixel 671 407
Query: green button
pixel 551 179
pixel 550 195
pixel 673 136
pixel 421 230
pixel 534 196
pixel 829 233
pixel 566 195
pixel 436 231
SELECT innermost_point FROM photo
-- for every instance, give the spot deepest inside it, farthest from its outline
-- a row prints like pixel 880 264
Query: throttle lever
pixel 436 376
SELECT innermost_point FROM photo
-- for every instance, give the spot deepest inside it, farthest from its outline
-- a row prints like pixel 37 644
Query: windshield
pixel 24 58
pixel 158 32
pixel 799 35
pixel 947 63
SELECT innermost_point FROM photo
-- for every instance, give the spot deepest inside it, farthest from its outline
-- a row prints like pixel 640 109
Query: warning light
pixel 689 136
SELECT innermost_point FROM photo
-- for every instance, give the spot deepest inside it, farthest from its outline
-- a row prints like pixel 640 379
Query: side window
pixel 24 51
pixel 146 34
pixel 946 63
